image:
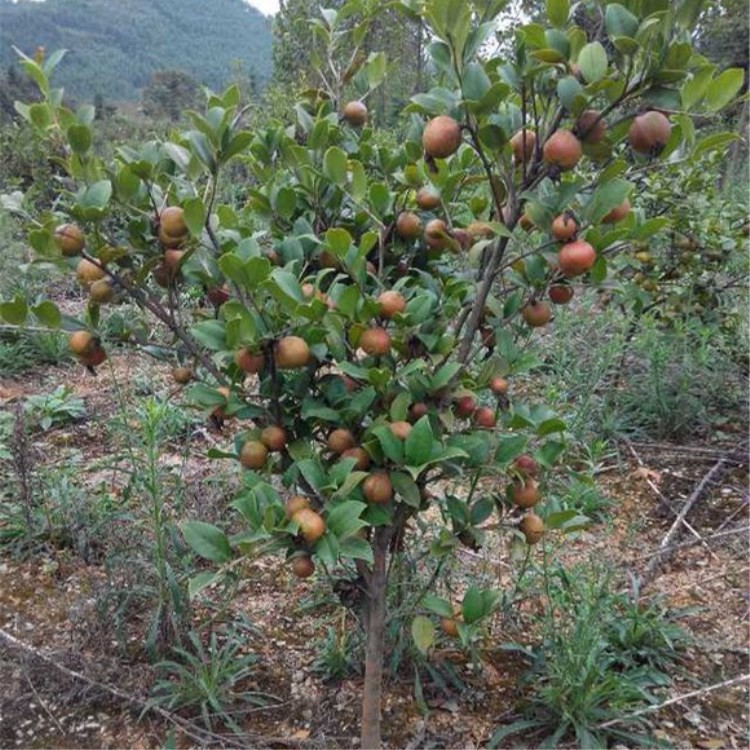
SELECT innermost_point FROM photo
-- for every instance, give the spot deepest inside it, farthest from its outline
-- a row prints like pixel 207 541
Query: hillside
pixel 114 47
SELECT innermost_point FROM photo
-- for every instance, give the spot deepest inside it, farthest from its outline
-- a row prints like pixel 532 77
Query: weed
pixel 56 408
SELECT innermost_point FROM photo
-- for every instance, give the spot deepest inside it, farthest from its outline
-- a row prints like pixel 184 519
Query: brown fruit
pixel 589 132
pixel 499 386
pixel 618 213
pixel 436 234
pixel 361 455
pixel 576 258
pixel 172 260
pixel 328 260
pixel 340 441
pixel 560 294
pixel 355 113
pixel 465 406
pixel 167 241
pixel 649 133
pixel 88 272
pixel 172 222
pixel 302 566
pixel 377 488
pixel 517 143
pixel 218 295
pixel 485 417
pixel 526 465
pixel 294 504
pixel 564 227
pixel 182 375
pixel 449 626
pixel 536 313
pixel 427 199
pixel 70 239
pixel 82 342
pixel 219 412
pixel 400 430
pixel 391 303
pixel 479 230
pixel 101 291
pixel 249 362
pixel 253 454
pixel 562 150
pixel 409 225
pixel 532 527
pixel 525 494
pixel 161 275
pixel 441 137
pixel 291 352
pixel 273 437
pixel 94 358
pixel 526 223
pixel 375 342
pixel 311 525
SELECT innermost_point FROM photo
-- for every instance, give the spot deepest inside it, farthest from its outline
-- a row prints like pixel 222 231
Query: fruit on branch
pixel 291 352
pixel 418 410
pixel 487 335
pixel 525 494
pixel 499 386
pixel 94 358
pixel 88 272
pixel 400 430
pixel 409 225
pixel 360 455
pixel 355 113
pixel 449 626
pixel 523 152
pixel 461 239
pixel 590 128
pixel 302 566
pixel 376 342
pixel 248 361
pixel 182 375
pixel 618 213
pixel 70 239
pixel 649 133
pixel 168 242
pixel 441 137
pixel 220 411
pixel 525 222
pixel 532 527
pixel 427 199
pixel 101 291
pixel 562 149
pixel 328 260
pixel 436 234
pixel 161 275
pixel 526 465
pixel 480 230
pixel 576 258
pixel 273 437
pixel 82 342
pixel 485 417
pixel 564 227
pixel 172 260
pixel 377 488
pixel 560 294
pixel 465 406
pixel 391 303
pixel 172 222
pixel 253 454
pixel 294 504
pixel 218 295
pixel 311 525
pixel 341 440
pixel 536 313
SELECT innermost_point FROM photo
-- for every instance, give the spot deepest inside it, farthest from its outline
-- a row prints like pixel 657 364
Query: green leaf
pixel 476 83
pixel 481 510
pixel 391 445
pixel 79 138
pixel 47 313
pixel 406 488
pixel 438 605
pixel 14 312
pixel 375 69
pixel 724 88
pixel 356 548
pixel 195 216
pixel 334 165
pixel 473 605
pixel 210 333
pixel 344 519
pixel 96 195
pixel 607 196
pixel 557 12
pixel 199 582
pixel 207 540
pixel 41 115
pixel 592 60
pixel 570 93
pixel 619 21
pixel 418 447
pixel 710 142
pixel 423 633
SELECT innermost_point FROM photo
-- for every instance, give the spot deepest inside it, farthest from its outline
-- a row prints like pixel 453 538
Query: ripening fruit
pixel 560 294
pixel 70 239
pixel 311 525
pixel 441 137
pixel 562 149
pixel 218 295
pixel 618 213
pixel 649 133
pixel 465 406
pixel 409 225
pixel 172 222
pixel 536 313
pixel 480 230
pixel 294 504
pixel 172 260
pixel 526 465
pixel 499 386
pixel 377 488
pixel 253 454
pixel 576 258
pixel 94 358
pixel 360 455
pixel 302 566
pixel 273 437
pixel 375 342
pixel 462 239
pixel 517 143
pixel 219 412
pixel 182 375
pixel 449 626
pixel 88 272
pixel 82 342
pixel 532 527
pixel 427 199
pixel 418 410
pixel 355 113
pixel 484 417
pixel 168 242
pixel 101 291
pixel 525 494
pixel 526 223
pixel 589 132
pixel 291 352
pixel 249 362
pixel 391 303
pixel 341 440
pixel 564 227
pixel 436 234
pixel 400 430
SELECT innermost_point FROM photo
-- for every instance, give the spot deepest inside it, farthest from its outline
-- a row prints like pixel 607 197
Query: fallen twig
pixel 693 542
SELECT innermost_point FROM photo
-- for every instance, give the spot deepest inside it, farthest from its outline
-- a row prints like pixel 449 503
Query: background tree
pixel 168 93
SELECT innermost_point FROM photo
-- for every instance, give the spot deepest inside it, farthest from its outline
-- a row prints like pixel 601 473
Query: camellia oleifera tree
pixel 365 311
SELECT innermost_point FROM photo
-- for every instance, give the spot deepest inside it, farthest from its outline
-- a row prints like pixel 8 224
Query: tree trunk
pixel 375 627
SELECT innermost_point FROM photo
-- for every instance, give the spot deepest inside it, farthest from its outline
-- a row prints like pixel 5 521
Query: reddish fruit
pixel 294 504
pixel 465 406
pixel 168 242
pixel 523 144
pixel 562 150
pixel 377 488
pixel 94 358
pixel 400 430
pixel 88 272
pixel 525 494
pixel 172 222
pixel 564 227
pixel 441 137
pixel 311 525
pixel 248 361
pixel 532 527
pixel 418 410
pixel 618 213
pixel 273 437
pixel 590 128
pixel 449 626
pixel 355 113
pixel 461 239
pixel 499 386
pixel 427 199
pixel 536 313
pixel 436 234
pixel 70 239
pixel 376 342
pixel 526 465
pixel 485 417
pixel 253 454
pixel 409 225
pixel 182 375
pixel 649 133
pixel 218 295
pixel 340 441
pixel 172 260
pixel 560 294
pixel 82 342
pixel 576 258
pixel 360 455
pixel 291 352
pixel 302 566
pixel 391 303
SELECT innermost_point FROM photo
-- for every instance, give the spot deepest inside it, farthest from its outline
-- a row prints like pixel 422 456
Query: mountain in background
pixel 115 45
